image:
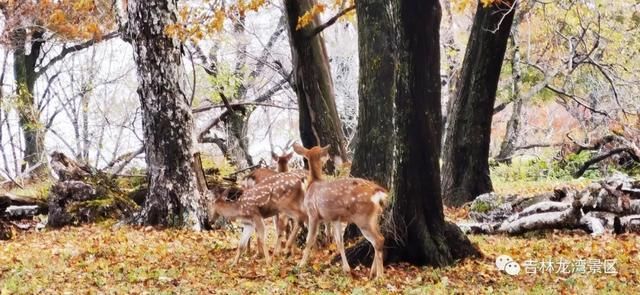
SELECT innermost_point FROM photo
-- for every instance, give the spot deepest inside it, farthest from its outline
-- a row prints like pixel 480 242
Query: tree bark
pixel 468 135
pixel 24 67
pixel 172 199
pixel 415 230
pixel 319 121
pixel 512 133
pixel 373 158
pixel 238 143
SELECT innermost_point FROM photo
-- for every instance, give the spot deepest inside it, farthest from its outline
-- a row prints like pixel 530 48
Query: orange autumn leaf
pixel 308 16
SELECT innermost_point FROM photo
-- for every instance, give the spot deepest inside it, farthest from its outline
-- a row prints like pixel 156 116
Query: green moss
pixel 481 207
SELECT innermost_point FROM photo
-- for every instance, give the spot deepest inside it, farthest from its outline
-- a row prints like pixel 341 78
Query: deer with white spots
pixel 351 200
pixel 281 193
pixel 260 175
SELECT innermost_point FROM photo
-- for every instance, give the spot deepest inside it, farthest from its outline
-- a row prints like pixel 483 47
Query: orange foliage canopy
pixel 67 19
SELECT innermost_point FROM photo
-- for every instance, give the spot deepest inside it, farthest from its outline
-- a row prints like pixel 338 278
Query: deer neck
pixel 283 168
pixel 315 171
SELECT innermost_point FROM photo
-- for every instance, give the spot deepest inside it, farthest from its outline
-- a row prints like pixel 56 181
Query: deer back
pixel 257 176
pixel 281 192
pixel 344 199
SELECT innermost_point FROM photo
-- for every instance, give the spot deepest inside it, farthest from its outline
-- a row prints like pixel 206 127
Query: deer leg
pixel 337 236
pixel 288 247
pixel 372 233
pixel 312 235
pixel 279 229
pixel 247 230
pixel 262 245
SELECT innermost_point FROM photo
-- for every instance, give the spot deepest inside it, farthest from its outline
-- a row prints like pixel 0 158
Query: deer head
pixel 317 157
pixel 283 161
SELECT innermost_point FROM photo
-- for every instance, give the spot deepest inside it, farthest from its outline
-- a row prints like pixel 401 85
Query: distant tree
pixel 319 120
pixel 172 198
pixel 29 27
pixel 468 135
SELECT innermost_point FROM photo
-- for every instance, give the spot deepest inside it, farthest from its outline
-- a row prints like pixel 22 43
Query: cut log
pixel 568 218
pixel 18 212
pixel 476 228
pixel 17 205
pixel 543 207
pixel 630 223
pixel 592 224
pixel 606 218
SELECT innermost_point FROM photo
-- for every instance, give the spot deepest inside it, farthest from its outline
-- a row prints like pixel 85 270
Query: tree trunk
pixel 373 158
pixel 172 199
pixel 415 231
pixel 319 121
pixel 466 148
pixel 24 67
pixel 238 143
pixel 512 134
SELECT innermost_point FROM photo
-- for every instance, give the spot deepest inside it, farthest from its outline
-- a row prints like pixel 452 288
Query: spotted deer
pixel 274 195
pixel 260 175
pixel 351 200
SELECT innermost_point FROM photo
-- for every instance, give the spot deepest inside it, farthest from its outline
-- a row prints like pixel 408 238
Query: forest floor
pixel 101 258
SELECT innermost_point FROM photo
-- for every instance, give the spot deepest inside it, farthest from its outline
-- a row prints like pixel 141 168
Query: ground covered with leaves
pixel 101 258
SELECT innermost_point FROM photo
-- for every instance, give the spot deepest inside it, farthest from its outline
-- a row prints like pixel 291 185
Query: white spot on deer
pixel 377 197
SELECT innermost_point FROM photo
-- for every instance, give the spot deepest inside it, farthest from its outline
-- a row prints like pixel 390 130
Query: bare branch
pixel 68 50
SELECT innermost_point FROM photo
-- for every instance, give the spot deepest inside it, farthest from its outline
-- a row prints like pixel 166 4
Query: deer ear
pixel 325 149
pixel 288 156
pixel 300 150
pixel 274 156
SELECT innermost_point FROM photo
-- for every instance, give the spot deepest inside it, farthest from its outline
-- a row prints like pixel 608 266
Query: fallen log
pixel 569 218
pixel 630 223
pixel 592 224
pixel 8 200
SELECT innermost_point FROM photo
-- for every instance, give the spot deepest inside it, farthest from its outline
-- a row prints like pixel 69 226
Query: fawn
pixel 260 175
pixel 281 194
pixel 352 200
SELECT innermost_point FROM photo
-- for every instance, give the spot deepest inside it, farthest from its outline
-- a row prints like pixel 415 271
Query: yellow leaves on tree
pixel 486 3
pixel 57 18
pixel 69 19
pixel 337 5
pixel 242 7
pixel 195 22
pixel 462 5
pixel 308 16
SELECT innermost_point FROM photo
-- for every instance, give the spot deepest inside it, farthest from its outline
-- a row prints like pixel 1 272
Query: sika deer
pixel 260 175
pixel 281 193
pixel 352 200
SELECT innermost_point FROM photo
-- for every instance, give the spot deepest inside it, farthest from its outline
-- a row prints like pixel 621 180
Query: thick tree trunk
pixel 466 148
pixel 24 67
pixel 415 229
pixel 319 121
pixel 173 199
pixel 373 158
pixel 512 134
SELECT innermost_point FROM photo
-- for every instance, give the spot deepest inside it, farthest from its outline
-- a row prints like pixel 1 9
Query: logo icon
pixel 505 263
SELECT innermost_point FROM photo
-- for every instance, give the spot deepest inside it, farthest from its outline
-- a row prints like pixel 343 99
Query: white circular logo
pixel 512 268
pixel 502 261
